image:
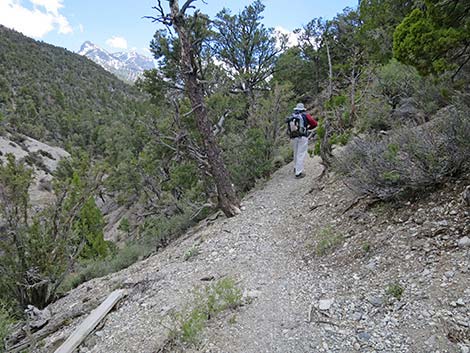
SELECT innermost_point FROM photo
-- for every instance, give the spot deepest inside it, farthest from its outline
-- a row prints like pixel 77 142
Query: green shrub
pixel 395 290
pixel 210 301
pixel 88 269
pixel 376 115
pixel 248 158
pixel 336 101
pixel 340 139
pixel 408 160
pixel 190 253
pixel 286 153
pixel 35 159
pixel 90 226
pixel 328 240
pixel 6 321
pixel 366 247
pixel 124 226
pixel 400 96
pixel 157 232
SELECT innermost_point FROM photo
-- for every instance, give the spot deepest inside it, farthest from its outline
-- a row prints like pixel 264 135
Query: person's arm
pixel 311 121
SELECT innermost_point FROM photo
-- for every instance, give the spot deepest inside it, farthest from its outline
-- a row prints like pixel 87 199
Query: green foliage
pixel 89 226
pixel 395 290
pixel 191 252
pixel 6 321
pixel 380 18
pixel 38 247
pixel 396 81
pixel 400 96
pixel 15 179
pixel 409 160
pixel 88 269
pixel 55 95
pixel 293 68
pixel 432 39
pixel 210 301
pixel 340 139
pixel 124 226
pixel 248 48
pixel 335 102
pixel 159 231
pixel 328 240
pixel 248 158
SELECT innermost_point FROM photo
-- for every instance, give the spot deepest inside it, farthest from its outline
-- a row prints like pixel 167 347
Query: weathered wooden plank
pixel 90 322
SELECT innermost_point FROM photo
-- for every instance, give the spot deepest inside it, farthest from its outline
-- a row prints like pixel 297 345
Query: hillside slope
pixel 43 159
pixel 52 94
pixel 392 279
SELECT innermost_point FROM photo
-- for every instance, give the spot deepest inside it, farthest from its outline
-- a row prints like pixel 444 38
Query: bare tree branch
pixel 187 5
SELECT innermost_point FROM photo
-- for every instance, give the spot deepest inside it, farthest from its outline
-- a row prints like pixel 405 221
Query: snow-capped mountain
pixel 126 65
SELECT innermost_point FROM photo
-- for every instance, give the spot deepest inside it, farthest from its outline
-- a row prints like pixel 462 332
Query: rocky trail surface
pixel 320 271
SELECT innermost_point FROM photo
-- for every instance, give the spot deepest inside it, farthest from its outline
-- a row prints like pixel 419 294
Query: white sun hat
pixel 299 107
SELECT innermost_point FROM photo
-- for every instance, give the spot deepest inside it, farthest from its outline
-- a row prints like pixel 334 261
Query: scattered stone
pixel 449 274
pixel 426 272
pixel 431 341
pixel 460 302
pixel 353 315
pixel 251 294
pixel 466 196
pixel 325 304
pixel 364 336
pixel 464 242
pixel 357 316
pixel 372 265
pixel 376 301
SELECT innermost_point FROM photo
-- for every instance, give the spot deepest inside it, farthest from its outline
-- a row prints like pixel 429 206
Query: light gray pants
pixel 300 146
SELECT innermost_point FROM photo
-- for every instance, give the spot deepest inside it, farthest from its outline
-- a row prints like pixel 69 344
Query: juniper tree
pixel 186 60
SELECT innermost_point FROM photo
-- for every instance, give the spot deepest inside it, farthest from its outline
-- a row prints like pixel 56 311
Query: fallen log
pixel 89 324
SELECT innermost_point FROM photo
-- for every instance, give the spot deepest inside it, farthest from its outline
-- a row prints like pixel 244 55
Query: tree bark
pixel 330 71
pixel 353 95
pixel 227 198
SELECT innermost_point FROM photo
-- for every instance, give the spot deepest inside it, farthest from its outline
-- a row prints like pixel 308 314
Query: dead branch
pixel 219 127
pixel 206 205
pixel 187 5
pixel 18 343
pixel 163 18
pixel 352 204
pixel 314 207
pixel 316 188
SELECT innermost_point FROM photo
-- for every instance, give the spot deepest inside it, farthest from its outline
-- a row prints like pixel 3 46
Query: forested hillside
pixel 389 81
pixel 51 94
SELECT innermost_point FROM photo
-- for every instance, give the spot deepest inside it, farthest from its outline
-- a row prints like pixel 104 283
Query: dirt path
pixel 271 250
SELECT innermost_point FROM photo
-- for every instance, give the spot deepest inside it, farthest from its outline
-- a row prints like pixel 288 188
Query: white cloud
pixel 292 38
pixel 51 6
pixel 36 22
pixel 117 42
pixel 80 28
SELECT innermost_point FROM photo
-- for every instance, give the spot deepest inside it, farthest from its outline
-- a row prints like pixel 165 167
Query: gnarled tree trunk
pixel 227 198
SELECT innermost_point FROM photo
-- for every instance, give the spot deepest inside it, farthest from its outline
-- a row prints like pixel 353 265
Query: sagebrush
pixel 408 160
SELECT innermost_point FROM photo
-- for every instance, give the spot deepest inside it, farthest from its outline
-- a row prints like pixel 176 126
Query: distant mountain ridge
pixel 128 66
pixel 54 95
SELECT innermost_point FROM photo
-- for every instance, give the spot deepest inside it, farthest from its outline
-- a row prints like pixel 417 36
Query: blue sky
pixel 117 25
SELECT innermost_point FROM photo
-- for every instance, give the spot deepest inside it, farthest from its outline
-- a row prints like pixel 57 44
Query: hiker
pixel 298 126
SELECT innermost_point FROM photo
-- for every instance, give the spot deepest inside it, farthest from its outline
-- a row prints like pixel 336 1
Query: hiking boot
pixel 300 175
